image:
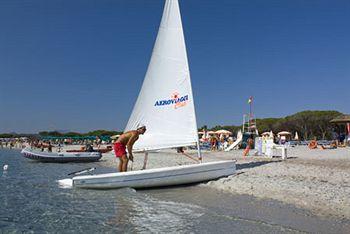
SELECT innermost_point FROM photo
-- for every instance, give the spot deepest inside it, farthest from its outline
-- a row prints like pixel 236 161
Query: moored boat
pixel 60 157
pixel 159 177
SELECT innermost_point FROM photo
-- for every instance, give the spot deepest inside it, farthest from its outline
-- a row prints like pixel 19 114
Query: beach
pixel 32 200
pixel 316 180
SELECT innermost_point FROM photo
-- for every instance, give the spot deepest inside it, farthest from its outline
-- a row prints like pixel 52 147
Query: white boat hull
pixel 60 157
pixel 168 176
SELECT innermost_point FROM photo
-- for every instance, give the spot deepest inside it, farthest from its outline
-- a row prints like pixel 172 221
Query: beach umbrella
pixel 223 132
pixel 284 133
pixel 210 133
pixel 296 137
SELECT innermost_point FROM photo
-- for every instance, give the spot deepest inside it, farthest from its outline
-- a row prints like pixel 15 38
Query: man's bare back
pixel 125 137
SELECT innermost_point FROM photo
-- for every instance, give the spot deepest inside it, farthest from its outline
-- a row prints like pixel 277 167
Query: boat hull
pixel 102 151
pixel 61 157
pixel 160 177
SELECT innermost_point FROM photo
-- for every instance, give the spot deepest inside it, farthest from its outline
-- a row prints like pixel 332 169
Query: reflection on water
pixel 4 174
pixel 152 215
pixel 141 213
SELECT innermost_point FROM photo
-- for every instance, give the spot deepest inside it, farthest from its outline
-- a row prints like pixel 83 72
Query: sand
pixel 317 180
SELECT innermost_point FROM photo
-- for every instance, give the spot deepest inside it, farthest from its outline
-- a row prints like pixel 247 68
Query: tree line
pixel 308 124
pixel 73 134
pixel 59 134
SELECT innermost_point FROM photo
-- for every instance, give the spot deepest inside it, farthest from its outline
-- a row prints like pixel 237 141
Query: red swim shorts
pixel 119 149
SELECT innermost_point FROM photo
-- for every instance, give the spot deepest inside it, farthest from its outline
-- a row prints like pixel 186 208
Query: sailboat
pixel 165 106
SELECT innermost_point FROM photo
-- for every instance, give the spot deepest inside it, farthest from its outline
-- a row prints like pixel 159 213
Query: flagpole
pixel 250 109
pixel 250 112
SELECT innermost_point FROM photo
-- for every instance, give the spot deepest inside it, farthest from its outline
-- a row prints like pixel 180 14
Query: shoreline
pixel 315 180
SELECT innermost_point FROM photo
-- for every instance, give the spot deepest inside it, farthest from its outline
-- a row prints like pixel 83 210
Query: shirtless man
pixel 126 141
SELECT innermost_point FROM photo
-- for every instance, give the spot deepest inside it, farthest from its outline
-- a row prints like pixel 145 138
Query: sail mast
pixel 199 153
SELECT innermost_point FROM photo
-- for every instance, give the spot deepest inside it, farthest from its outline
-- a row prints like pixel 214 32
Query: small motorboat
pixel 61 156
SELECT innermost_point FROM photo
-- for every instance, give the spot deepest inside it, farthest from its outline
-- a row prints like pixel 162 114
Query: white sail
pixel 165 103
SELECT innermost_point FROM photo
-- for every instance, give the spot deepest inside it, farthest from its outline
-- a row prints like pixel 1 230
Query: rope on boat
pixel 145 161
pixel 194 159
pixel 132 164
pixel 86 170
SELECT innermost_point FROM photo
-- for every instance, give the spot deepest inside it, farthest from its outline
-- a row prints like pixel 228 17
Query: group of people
pixel 42 145
pixel 334 144
pixel 12 143
pixel 338 140
pixel 219 142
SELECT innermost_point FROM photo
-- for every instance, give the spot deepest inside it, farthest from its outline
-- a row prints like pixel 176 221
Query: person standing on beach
pixel 49 147
pixel 126 141
pixel 250 144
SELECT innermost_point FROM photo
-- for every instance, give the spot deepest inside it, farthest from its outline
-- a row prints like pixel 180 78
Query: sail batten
pixel 165 103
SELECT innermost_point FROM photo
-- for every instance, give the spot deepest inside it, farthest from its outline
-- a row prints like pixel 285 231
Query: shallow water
pixel 31 201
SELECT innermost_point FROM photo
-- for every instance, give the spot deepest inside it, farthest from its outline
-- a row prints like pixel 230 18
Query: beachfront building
pixel 343 121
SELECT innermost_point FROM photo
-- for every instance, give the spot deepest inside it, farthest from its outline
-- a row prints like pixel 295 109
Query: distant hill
pixel 63 131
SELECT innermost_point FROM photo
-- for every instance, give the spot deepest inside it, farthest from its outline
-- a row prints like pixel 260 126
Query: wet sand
pixel 227 213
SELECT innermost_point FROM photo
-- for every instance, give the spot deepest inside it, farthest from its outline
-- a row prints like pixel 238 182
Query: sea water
pixel 32 201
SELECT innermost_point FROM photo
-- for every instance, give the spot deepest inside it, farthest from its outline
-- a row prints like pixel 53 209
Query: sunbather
pixel 333 145
pixel 313 144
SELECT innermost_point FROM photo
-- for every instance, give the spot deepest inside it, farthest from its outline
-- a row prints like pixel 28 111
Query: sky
pixel 79 65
